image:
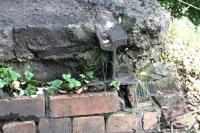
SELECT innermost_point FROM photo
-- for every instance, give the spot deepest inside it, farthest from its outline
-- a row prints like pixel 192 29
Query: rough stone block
pixel 23 106
pixel 19 127
pixel 150 121
pixel 6 44
pixel 186 121
pixel 84 104
pixel 122 123
pixel 48 125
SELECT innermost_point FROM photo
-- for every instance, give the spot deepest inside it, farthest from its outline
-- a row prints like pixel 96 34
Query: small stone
pixel 198 118
pixel 19 127
pixel 186 121
pixel 150 121
pixel 122 123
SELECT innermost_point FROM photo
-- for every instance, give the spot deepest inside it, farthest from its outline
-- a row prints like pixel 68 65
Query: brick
pixel 49 125
pixel 150 121
pixel 23 106
pixel 126 123
pixel 93 124
pixel 19 127
pixel 83 104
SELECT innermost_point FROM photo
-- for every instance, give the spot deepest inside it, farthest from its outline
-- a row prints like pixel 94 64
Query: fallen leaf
pixel 16 85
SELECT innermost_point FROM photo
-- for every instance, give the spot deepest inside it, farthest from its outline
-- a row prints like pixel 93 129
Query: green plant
pixel 54 86
pixel 28 75
pixel 30 90
pixel 86 77
pixel 2 83
pixel 31 85
pixel 115 85
pixel 90 74
pixel 70 83
pixel 7 76
pixel 180 8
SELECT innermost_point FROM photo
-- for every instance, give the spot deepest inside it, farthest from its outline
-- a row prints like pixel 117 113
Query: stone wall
pixel 53 37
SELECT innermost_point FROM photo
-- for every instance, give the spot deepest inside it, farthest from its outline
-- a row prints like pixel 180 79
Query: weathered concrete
pixel 48 36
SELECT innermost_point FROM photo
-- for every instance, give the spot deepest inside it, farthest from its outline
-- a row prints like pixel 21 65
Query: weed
pixel 28 75
pixel 87 75
pixel 70 83
pixel 115 85
pixel 54 86
pixel 30 90
pixel 7 76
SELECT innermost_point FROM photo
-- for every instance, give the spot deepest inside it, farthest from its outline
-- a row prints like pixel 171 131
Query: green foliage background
pixel 178 9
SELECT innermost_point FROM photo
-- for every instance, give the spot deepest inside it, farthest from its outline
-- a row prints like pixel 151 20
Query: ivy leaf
pixel 56 83
pixel 30 90
pixel 77 83
pixel 71 85
pixel 28 75
pixel 115 84
pixel 90 74
pixel 15 76
pixel 2 83
pixel 67 77
pixel 82 76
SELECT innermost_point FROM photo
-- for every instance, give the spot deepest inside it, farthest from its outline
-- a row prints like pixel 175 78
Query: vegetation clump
pixel 183 8
pixel 19 85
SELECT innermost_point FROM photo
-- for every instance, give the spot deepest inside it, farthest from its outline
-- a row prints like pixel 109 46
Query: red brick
pixel 19 127
pixel 126 123
pixel 150 121
pixel 84 104
pixel 23 106
pixel 93 124
pixel 62 125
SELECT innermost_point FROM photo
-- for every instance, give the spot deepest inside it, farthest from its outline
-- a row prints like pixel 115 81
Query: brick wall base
pixel 85 113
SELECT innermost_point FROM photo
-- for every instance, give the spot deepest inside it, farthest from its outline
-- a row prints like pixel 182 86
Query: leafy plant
pixel 7 76
pixel 115 85
pixel 83 76
pixel 87 76
pixel 2 83
pixel 90 74
pixel 31 85
pixel 186 8
pixel 54 86
pixel 28 75
pixel 30 90
pixel 70 83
